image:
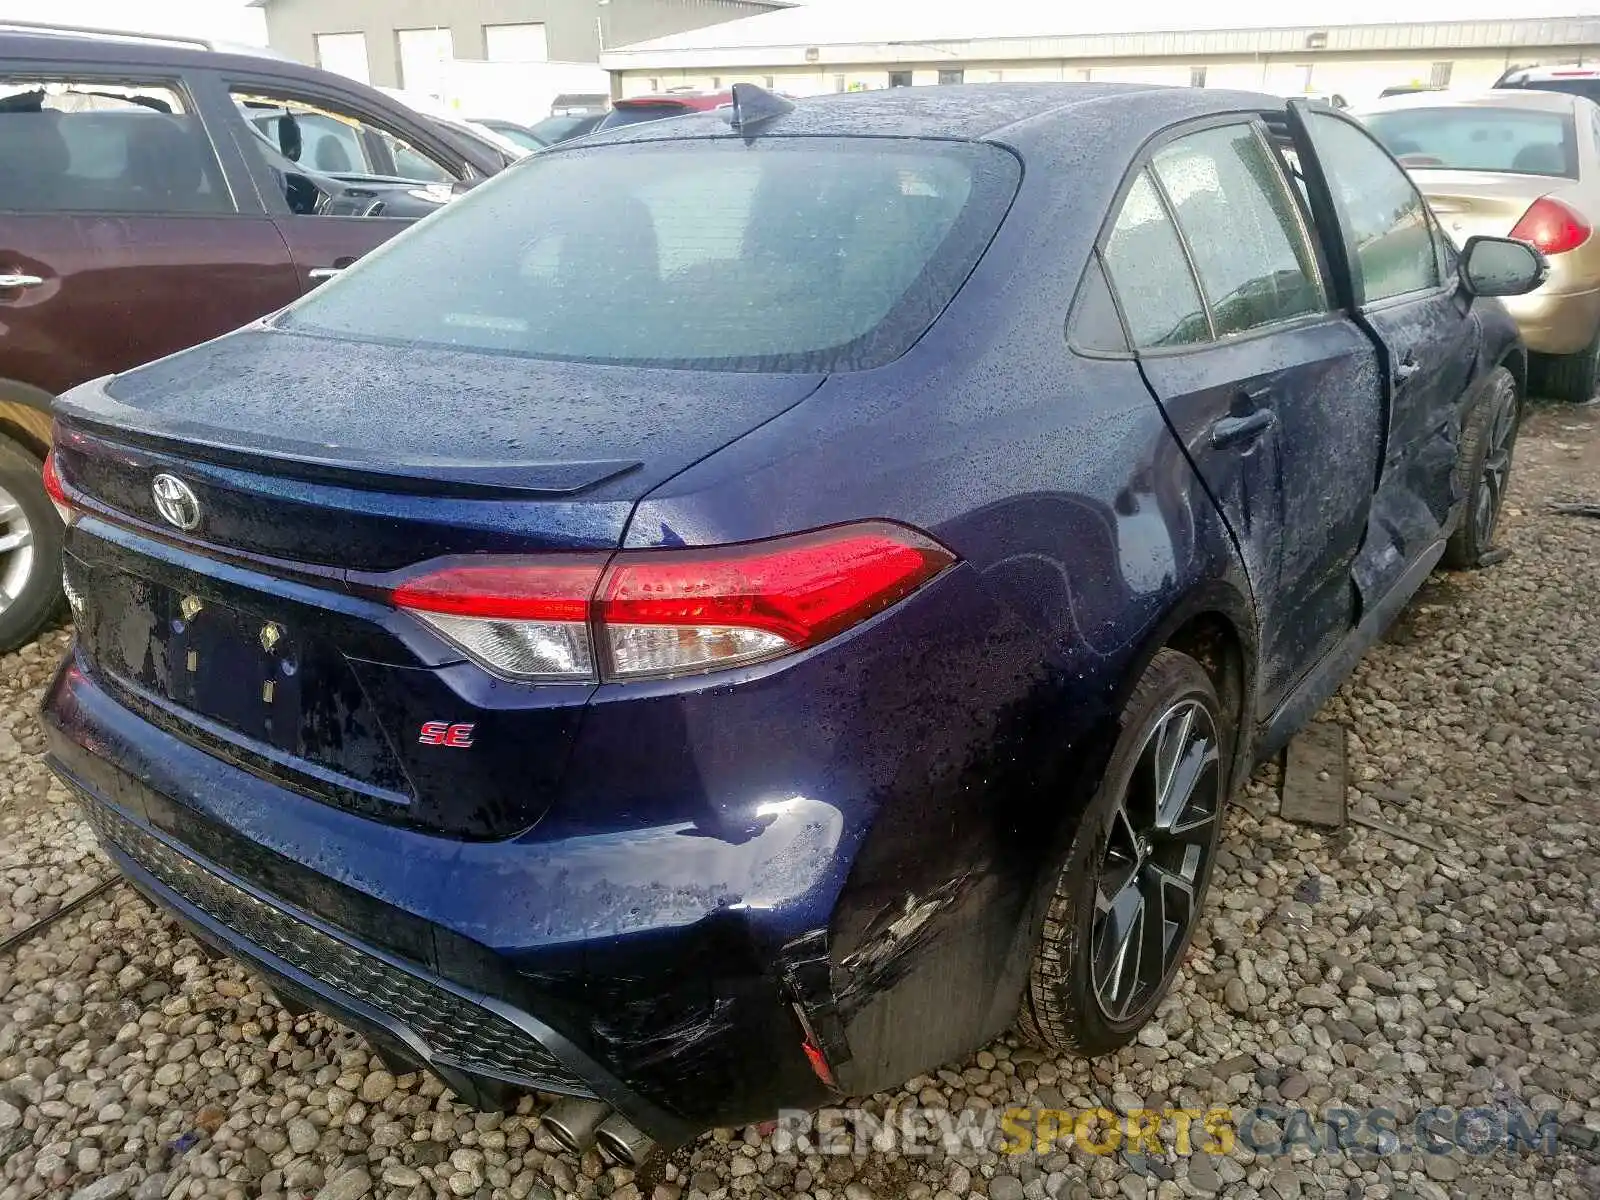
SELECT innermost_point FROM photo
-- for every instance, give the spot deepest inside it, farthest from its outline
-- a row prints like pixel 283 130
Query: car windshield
pixel 784 254
pixel 1479 138
pixel 522 138
pixel 558 129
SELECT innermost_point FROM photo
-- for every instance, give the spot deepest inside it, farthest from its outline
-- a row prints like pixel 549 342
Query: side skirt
pixel 1324 679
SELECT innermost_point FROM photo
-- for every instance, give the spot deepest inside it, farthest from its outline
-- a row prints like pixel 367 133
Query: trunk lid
pixel 360 456
pixel 318 467
pixel 1480 203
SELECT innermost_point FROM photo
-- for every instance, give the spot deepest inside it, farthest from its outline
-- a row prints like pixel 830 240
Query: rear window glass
pixel 1479 138
pixel 635 114
pixel 1586 86
pixel 784 254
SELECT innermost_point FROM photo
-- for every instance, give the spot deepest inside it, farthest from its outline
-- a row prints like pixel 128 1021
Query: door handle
pixel 1229 430
pixel 20 281
pixel 318 274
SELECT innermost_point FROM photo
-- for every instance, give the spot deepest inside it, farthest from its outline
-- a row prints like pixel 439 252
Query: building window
pixel 996 76
pixel 1197 77
pixel 1085 75
pixel 655 83
pixel 344 54
pixel 516 43
pixel 424 55
pixel 955 76
pixel 716 83
pixel 899 78
pixel 1439 77
pixel 838 83
pixel 767 82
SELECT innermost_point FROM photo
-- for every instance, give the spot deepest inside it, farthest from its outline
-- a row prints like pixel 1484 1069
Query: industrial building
pixel 832 47
pixel 409 44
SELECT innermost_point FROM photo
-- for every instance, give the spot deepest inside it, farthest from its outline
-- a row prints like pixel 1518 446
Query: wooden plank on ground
pixel 1314 777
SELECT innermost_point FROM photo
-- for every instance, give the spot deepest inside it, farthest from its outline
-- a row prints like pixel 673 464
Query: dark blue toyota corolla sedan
pixel 732 612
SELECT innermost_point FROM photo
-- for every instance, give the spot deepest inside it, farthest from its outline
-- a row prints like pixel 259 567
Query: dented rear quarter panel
pixel 960 748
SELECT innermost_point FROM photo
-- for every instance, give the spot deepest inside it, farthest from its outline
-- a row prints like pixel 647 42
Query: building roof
pixel 925 30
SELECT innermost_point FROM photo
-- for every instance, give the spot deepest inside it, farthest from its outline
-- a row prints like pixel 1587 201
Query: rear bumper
pixel 1556 322
pixel 600 1017
pixel 485 1050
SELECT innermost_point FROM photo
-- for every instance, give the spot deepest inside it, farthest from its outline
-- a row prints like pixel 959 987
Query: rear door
pixel 333 135
pixel 1274 394
pixel 122 239
pixel 1405 289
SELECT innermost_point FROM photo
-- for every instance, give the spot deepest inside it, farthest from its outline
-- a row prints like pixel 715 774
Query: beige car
pixel 1524 164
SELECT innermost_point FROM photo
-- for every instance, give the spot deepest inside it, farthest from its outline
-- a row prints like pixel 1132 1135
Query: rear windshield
pixel 1587 86
pixel 1479 138
pixel 783 254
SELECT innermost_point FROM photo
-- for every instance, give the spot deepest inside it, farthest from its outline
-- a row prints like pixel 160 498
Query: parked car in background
pixel 1522 164
pixel 659 105
pixel 1573 79
pixel 489 141
pixel 771 684
pixel 155 193
pixel 580 104
pixel 1408 89
pixel 519 135
pixel 550 131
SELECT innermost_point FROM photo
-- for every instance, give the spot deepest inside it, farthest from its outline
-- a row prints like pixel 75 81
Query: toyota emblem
pixel 175 501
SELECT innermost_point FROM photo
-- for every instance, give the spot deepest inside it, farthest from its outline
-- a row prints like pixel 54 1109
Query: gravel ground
pixel 1450 954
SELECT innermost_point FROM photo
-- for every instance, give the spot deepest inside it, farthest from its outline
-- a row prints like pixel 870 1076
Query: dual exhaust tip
pixel 580 1124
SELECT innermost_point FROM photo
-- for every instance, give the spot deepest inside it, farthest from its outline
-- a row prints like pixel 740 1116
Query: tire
pixel 1483 468
pixel 30 549
pixel 1083 998
pixel 1572 377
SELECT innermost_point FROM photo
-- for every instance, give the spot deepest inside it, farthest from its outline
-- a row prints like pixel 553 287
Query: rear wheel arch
pixel 1215 625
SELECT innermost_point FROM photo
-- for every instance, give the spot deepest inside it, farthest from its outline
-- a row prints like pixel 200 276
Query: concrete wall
pixel 1357 77
pixel 572 27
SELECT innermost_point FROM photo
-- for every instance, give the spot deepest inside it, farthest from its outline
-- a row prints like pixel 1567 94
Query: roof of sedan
pixel 961 110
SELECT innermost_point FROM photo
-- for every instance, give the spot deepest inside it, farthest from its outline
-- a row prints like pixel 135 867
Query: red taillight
pixel 507 589
pixel 660 613
pixel 57 490
pixel 1552 226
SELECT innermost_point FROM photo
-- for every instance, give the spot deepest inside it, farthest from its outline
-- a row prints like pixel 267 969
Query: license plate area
pixel 239 668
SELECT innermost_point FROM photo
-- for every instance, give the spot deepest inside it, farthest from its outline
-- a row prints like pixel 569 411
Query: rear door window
pixel 1233 206
pixel 1151 272
pixel 787 254
pixel 111 147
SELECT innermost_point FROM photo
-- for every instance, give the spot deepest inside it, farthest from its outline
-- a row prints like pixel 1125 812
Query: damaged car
pixel 739 611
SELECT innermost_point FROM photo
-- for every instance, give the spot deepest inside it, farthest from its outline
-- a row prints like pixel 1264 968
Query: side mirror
pixel 1494 266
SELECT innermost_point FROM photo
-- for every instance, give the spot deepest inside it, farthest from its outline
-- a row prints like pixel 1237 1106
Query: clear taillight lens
pixel 522 618
pixel 659 613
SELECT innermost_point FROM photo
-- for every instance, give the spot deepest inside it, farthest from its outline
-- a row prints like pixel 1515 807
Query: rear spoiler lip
pixel 114 423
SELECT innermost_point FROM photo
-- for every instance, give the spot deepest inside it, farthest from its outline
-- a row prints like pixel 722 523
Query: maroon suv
pixel 156 193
